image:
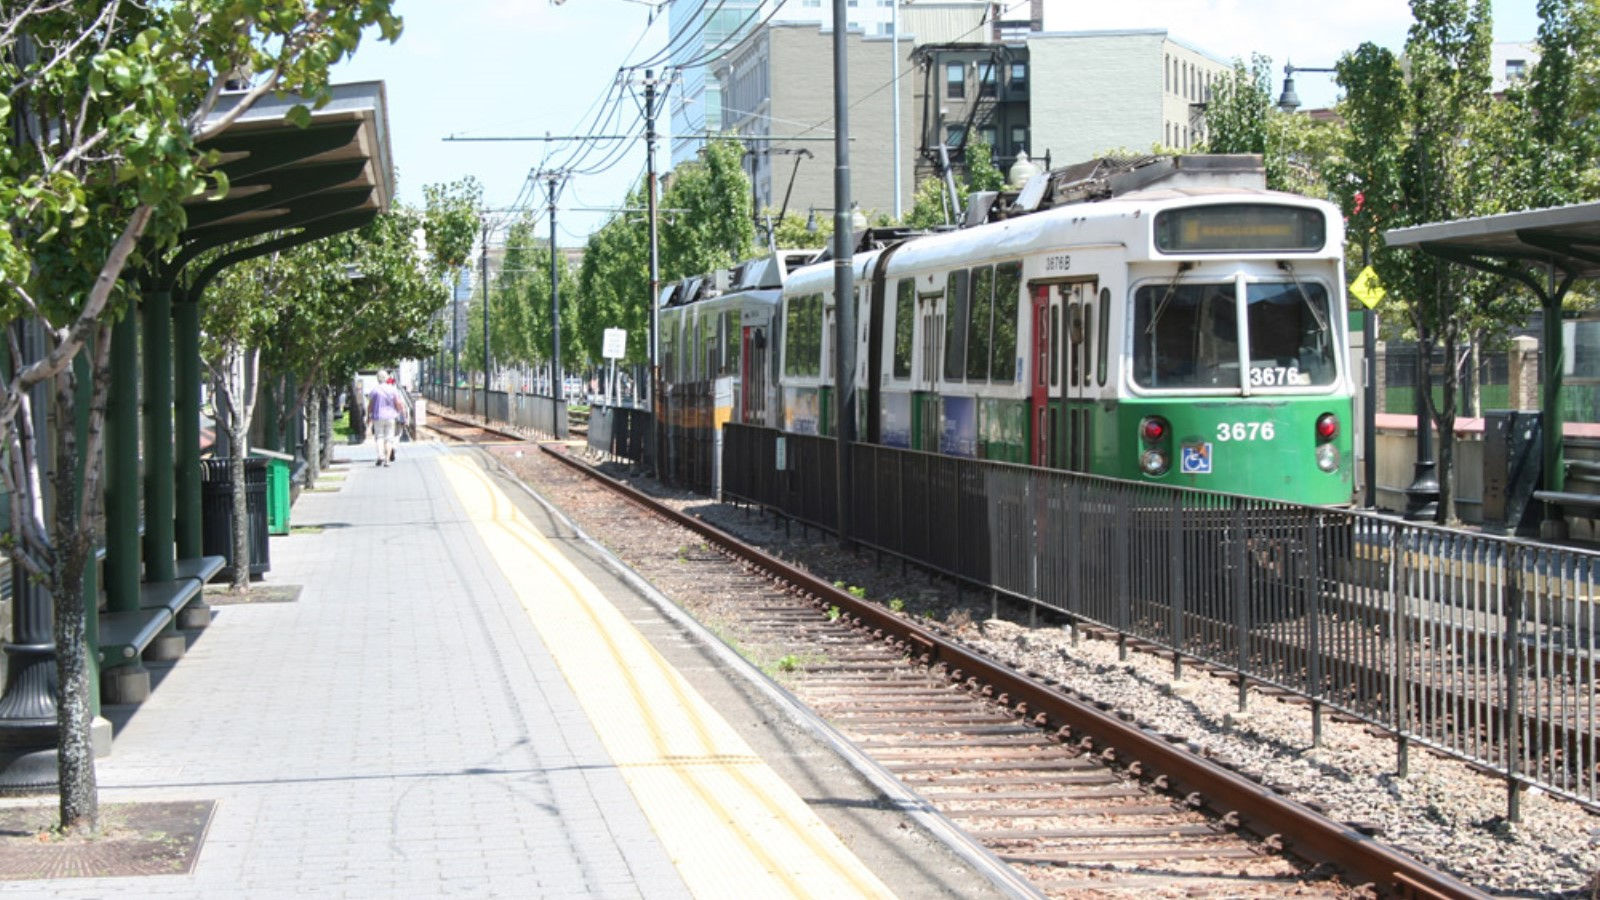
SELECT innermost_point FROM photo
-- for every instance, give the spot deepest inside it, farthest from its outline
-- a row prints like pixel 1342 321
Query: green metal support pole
pixel 1555 476
pixel 122 470
pixel 267 409
pixel 186 393
pixel 156 313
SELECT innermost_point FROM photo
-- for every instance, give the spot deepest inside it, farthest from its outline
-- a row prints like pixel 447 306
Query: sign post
pixel 1369 291
pixel 614 347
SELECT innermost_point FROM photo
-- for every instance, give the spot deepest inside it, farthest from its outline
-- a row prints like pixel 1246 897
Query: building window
pixel 986 82
pixel 1516 70
pixel 988 135
pixel 954 135
pixel 955 80
pixel 1019 76
pixel 1167 71
pixel 1019 139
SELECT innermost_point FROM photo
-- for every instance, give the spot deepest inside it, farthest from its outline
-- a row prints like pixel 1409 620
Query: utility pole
pixel 844 368
pixel 894 91
pixel 484 268
pixel 655 260
pixel 558 421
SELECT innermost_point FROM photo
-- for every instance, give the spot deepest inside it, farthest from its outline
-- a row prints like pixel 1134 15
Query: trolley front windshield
pixel 1187 335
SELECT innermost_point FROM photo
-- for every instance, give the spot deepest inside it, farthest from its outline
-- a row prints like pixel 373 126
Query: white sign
pixel 615 345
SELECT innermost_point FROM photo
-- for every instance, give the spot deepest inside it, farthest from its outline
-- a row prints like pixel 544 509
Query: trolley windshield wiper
pixel 1322 320
pixel 1166 299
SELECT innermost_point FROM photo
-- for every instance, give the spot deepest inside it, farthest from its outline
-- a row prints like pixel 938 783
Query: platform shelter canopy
pixel 1565 238
pixel 330 175
pixel 1547 251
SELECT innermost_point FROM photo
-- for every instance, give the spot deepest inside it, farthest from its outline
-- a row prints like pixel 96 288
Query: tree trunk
pixel 327 426
pixel 241 509
pixel 1445 415
pixel 313 451
pixel 79 797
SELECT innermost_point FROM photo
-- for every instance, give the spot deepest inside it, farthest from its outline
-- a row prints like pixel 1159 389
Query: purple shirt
pixel 383 404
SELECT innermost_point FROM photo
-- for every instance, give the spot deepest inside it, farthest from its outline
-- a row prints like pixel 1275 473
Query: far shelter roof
pixel 301 183
pixel 1565 237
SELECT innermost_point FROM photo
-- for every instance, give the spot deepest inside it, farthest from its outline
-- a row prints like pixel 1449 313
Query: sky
pixel 530 68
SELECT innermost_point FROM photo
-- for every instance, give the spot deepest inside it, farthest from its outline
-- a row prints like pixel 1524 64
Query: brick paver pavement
pixel 398 731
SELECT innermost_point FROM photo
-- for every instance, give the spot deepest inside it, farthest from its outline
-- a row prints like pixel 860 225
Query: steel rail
pixel 1281 821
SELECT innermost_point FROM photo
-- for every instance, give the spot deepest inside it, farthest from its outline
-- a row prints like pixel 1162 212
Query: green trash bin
pixel 277 489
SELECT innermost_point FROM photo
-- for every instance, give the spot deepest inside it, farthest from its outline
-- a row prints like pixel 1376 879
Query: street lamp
pixel 1289 101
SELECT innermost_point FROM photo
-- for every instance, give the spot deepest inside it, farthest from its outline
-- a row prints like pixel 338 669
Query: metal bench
pixel 1568 498
pixel 127 636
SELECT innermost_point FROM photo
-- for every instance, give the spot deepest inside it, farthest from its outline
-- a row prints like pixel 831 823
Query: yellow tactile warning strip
pixel 730 825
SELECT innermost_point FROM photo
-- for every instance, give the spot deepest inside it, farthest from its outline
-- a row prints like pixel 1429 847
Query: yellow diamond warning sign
pixel 1367 288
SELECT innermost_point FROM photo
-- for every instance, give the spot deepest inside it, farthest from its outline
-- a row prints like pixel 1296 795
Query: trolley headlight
pixel 1154 462
pixel 1327 457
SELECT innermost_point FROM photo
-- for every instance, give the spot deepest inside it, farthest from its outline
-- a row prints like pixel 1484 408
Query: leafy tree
pixel 247 299
pixel 107 102
pixel 451 226
pixel 982 175
pixel 614 284
pixel 1552 123
pixel 715 228
pixel 1239 107
pixel 930 205
pixel 1240 118
pixel 792 233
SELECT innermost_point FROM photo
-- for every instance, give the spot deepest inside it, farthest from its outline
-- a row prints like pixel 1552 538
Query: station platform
pixel 465 700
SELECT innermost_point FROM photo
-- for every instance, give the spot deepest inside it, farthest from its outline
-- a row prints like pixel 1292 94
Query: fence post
pixel 1175 553
pixel 1241 601
pixel 1311 583
pixel 1512 614
pixel 1400 689
pixel 1124 582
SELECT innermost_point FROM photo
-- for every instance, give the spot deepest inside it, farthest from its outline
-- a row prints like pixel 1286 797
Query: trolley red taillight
pixel 1327 453
pixel 1155 456
pixel 1327 427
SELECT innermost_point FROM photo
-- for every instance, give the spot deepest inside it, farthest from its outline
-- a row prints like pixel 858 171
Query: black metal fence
pixel 1479 646
pixel 619 432
pixel 543 414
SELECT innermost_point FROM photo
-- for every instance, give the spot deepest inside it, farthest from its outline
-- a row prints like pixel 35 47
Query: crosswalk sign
pixel 1367 288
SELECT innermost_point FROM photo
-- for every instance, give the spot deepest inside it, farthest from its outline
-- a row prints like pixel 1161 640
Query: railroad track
pixel 461 430
pixel 1074 796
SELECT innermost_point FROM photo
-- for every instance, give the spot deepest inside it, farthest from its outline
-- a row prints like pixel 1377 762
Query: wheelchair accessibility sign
pixel 1195 459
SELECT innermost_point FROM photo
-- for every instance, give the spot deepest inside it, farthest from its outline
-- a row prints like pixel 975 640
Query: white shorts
pixel 384 429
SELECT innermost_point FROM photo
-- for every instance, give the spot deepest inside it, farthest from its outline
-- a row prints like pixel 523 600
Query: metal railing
pixel 534 411
pixel 619 432
pixel 1479 646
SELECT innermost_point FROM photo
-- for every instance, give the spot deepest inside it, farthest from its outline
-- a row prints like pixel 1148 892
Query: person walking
pixel 386 411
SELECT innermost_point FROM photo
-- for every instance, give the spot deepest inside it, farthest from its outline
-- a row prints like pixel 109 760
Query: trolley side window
pixel 1007 297
pixel 1105 332
pixel 669 353
pixel 955 326
pixel 731 345
pixel 905 300
pixel 802 328
pixel 1291 334
pixel 1186 336
pixel 979 335
pixel 1055 346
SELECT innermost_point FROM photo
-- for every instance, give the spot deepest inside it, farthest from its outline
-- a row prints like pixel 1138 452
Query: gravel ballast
pixel 1446 813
